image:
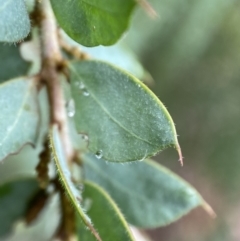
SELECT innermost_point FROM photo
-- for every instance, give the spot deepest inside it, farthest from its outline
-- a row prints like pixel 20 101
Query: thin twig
pixel 148 8
pixel 51 63
pixel 73 50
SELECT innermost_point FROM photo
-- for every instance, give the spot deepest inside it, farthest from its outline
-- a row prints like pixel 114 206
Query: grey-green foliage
pixel 105 215
pixel 91 22
pixel 14 200
pixel 148 194
pixel 120 118
pixel 12 65
pixel 121 126
pixel 14 21
pixel 19 118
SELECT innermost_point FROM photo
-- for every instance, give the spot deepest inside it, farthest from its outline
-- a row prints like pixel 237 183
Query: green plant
pixel 79 111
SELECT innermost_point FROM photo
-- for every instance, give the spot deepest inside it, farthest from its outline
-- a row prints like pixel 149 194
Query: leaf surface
pixel 14 21
pixel 93 22
pixel 66 179
pixel 11 63
pixel 105 215
pixel 14 198
pixel 148 194
pixel 19 118
pixel 123 119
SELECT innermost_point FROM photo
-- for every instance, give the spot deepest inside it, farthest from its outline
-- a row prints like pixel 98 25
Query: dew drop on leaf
pixel 84 137
pixel 99 154
pixel 85 92
pixel 80 85
pixel 71 108
pixel 82 88
pixel 87 204
pixel 80 187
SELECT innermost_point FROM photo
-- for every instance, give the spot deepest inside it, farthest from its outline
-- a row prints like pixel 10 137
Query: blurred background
pixel 192 51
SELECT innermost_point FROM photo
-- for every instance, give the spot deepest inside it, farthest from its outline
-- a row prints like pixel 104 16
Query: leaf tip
pixel 180 154
pixel 209 210
pixel 148 8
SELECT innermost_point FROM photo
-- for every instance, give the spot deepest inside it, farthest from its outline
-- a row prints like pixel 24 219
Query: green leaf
pixel 19 115
pixel 123 119
pixel 66 179
pixel 105 215
pixel 12 65
pixel 14 198
pixel 93 22
pixel 148 194
pixel 14 21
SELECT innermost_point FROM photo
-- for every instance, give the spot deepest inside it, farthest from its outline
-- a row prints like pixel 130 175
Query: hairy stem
pixel 71 49
pixel 68 223
pixel 52 62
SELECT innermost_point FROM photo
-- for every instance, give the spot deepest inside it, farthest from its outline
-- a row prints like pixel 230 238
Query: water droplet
pixel 82 87
pixel 79 85
pixel 80 187
pixel 87 204
pixel 99 154
pixel 84 137
pixel 79 198
pixel 71 108
pixel 85 92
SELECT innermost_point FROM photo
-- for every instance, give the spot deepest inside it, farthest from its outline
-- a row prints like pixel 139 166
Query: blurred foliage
pixel 11 62
pixel 192 51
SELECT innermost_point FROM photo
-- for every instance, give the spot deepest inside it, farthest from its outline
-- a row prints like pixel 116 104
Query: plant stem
pixel 52 62
pixel 71 49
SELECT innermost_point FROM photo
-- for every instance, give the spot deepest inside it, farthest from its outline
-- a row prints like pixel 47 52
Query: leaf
pixel 14 198
pixel 19 115
pixel 12 65
pixel 93 22
pixel 14 21
pixel 117 54
pixel 123 119
pixel 66 179
pixel 105 214
pixel 148 194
